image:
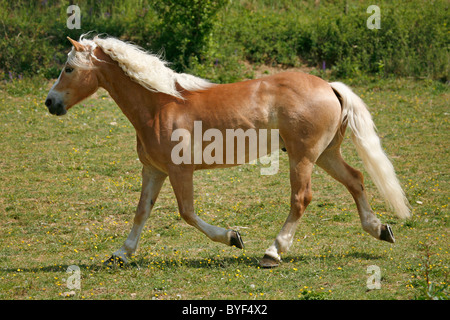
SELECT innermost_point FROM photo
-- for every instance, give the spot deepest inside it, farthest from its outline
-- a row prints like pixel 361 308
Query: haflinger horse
pixel 310 114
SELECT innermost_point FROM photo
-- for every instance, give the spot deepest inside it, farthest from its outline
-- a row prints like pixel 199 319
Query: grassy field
pixel 70 185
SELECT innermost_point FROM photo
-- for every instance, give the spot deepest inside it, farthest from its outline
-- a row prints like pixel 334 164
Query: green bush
pixel 186 27
pixel 26 46
pixel 268 37
pixel 213 38
pixel 413 40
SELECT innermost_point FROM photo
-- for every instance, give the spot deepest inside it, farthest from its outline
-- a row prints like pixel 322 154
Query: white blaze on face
pixel 52 91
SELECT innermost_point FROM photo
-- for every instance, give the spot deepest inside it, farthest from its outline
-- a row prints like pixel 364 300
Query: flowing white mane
pixel 147 69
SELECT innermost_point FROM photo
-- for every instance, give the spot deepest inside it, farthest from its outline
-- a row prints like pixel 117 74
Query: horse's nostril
pixel 48 102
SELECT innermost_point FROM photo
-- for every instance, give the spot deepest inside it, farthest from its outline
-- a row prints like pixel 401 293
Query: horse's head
pixel 77 81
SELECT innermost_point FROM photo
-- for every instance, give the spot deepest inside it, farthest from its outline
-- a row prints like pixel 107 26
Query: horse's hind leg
pixel 301 195
pixel 331 161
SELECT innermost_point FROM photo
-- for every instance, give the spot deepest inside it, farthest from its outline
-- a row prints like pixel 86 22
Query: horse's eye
pixel 68 69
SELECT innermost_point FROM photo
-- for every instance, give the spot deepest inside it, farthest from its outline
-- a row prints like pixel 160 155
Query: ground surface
pixel 70 185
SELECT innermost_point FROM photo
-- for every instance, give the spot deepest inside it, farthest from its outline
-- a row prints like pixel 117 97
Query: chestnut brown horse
pixel 309 114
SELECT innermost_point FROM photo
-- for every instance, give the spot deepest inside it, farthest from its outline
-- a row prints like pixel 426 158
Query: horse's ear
pixel 78 46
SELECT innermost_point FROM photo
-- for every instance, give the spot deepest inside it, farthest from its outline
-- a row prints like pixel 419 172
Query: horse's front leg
pixel 181 178
pixel 152 181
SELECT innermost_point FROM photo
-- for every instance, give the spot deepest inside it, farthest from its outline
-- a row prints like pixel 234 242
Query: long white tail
pixel 369 148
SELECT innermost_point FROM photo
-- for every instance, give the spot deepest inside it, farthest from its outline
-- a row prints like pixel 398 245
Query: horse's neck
pixel 137 103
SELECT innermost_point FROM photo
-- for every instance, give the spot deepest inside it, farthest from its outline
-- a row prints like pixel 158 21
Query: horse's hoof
pixel 114 261
pixel 269 262
pixel 386 234
pixel 236 240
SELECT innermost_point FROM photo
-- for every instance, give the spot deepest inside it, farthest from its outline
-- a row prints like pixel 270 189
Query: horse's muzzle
pixel 55 107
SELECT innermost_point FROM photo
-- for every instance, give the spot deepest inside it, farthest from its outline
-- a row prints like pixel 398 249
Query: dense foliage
pixel 213 38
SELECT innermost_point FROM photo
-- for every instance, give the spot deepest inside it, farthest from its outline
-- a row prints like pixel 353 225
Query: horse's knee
pixel 307 197
pixel 189 217
pixel 140 217
pixel 301 200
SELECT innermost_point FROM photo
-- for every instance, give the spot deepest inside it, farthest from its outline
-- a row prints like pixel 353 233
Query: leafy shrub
pixel 213 38
pixel 26 47
pixel 267 37
pixel 412 40
pixel 186 27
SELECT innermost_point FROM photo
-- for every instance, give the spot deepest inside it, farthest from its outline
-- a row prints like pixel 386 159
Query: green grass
pixel 70 185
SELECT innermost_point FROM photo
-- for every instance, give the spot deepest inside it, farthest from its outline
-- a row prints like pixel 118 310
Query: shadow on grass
pixel 171 262
pixel 151 262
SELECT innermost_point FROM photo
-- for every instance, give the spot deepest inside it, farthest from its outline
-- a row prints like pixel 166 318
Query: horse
pixel 310 115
